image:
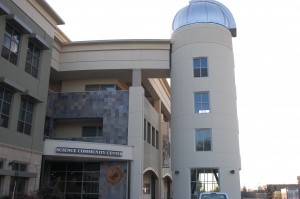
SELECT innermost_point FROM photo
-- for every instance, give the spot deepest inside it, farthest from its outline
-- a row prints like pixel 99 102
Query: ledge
pixel 11 84
pixel 41 43
pixel 18 23
pixel 4 10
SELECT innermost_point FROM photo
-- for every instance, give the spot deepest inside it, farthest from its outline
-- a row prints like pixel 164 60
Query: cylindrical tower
pixel 205 136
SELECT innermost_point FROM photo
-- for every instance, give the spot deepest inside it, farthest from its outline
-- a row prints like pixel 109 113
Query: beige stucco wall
pixel 123 54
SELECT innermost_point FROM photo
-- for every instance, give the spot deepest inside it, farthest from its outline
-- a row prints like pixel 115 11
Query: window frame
pixel 9 38
pixel 200 106
pixel 22 120
pixel 203 142
pixel 204 181
pixel 146 188
pixel 101 87
pixel 98 132
pixel 30 63
pixel 17 166
pixel 200 67
pixel 2 101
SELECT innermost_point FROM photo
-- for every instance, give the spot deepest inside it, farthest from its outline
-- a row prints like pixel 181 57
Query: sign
pixel 89 151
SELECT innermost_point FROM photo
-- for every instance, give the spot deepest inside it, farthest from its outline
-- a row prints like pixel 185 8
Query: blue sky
pixel 267 69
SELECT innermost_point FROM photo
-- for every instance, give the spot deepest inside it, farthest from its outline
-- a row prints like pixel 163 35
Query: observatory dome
pixel 205 11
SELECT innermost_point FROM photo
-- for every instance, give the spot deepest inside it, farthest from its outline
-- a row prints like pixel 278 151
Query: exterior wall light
pixel 176 172
pixel 232 171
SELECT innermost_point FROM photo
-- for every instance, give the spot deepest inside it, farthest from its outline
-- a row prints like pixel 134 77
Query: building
pixel 205 140
pixel 92 119
pixel 27 30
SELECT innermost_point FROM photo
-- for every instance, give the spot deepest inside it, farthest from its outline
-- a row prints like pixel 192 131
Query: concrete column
pixel 136 77
pixel 159 184
pixel 135 139
pixel 6 185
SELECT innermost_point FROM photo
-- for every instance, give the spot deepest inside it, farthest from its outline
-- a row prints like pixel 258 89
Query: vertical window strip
pixel 25 116
pixel 32 60
pixel 5 106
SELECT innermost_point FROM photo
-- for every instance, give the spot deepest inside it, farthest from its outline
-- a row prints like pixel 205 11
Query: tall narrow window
pixel 11 42
pixel 153 136
pixel 157 139
pixel 1 164
pixel 32 59
pixel 203 139
pixel 145 129
pixel 5 104
pixel 149 133
pixel 201 101
pixel 25 116
pixel 18 184
pixel 204 180
pixel 200 67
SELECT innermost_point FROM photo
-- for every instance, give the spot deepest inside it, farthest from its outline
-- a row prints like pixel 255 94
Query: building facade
pixel 92 119
pixel 27 30
pixel 106 116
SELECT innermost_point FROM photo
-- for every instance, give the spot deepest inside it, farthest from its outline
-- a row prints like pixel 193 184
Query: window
pixel 157 140
pixel 11 42
pixel 201 100
pixel 1 179
pixel 76 179
pixel 200 67
pixel 25 116
pixel 17 185
pixel 203 139
pixel 153 136
pixel 146 188
pixel 47 127
pixel 102 87
pixel 145 129
pixel 5 104
pixel 92 131
pixel 19 166
pixel 1 164
pixel 204 180
pixel 149 133
pixel 32 59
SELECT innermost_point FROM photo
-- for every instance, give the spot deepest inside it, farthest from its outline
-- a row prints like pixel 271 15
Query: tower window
pixel 200 67
pixel 204 180
pixel 201 101
pixel 203 139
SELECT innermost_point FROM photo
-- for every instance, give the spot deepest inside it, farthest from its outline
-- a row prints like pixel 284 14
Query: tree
pixel 270 190
pixel 244 189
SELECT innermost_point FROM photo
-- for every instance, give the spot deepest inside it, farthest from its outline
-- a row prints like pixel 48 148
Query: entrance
pixel 150 182
pixel 85 180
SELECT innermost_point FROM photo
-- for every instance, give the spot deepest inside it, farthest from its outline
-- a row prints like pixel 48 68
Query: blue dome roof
pixel 205 11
